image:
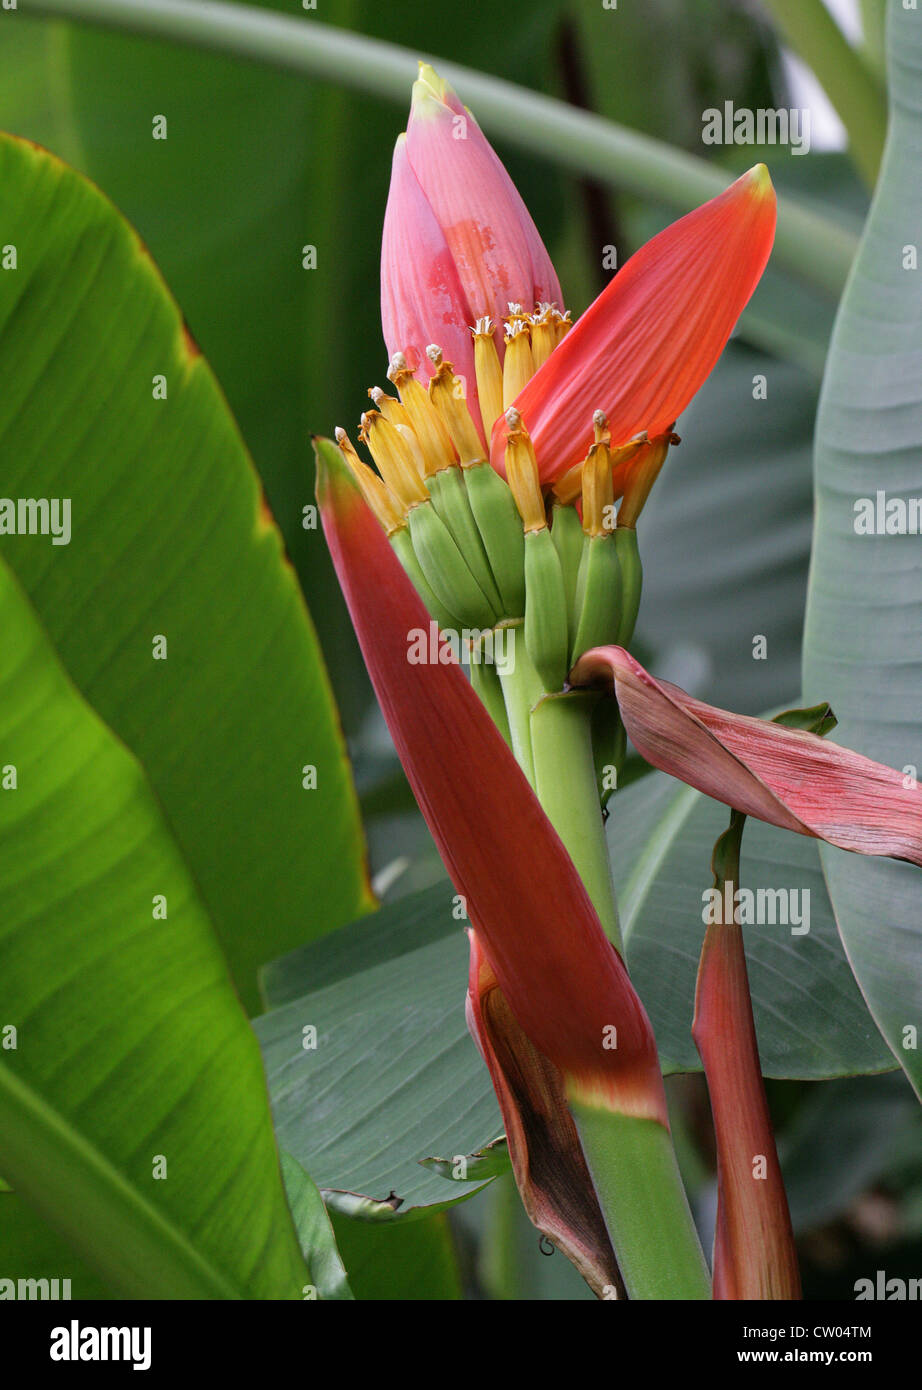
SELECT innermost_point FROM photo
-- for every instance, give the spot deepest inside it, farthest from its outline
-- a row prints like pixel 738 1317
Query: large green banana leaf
pixel 863 641
pixel 133 1111
pixel 171 605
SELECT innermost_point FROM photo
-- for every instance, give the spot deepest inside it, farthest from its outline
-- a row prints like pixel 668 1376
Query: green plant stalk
pixel 631 1160
pixel 609 748
pixel 807 243
pixel 852 86
pixel 874 29
pixel 636 1177
pixel 522 689
pixel 566 784
pixel 485 680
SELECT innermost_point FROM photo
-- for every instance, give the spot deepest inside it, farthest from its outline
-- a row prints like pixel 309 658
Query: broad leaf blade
pixel 392 1076
pixel 30 1249
pixel 168 541
pixel 810 1018
pixel 133 1112
pixel 406 1261
pixel 863 641
pixel 314 1232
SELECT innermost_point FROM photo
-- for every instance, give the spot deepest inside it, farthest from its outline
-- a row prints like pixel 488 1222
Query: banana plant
pixel 492 512
pixel 182 859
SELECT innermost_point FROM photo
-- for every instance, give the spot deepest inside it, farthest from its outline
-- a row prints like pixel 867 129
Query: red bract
pixel 784 776
pixel 564 982
pixel 754 1253
pixel 458 240
pixel 653 336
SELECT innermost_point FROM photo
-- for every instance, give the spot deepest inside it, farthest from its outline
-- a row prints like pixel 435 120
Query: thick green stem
pixel 567 787
pixel 522 689
pixel 806 243
pixel 636 1178
pixel 631 1160
pixel 485 680
pixel 874 30
pixel 852 86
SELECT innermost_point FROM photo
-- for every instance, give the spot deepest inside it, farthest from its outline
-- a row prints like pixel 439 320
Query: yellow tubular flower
pixel 434 439
pixel 543 334
pixel 642 476
pixel 374 490
pixel 598 493
pixel 446 391
pixel 394 459
pixel 522 474
pixel 489 372
pixel 389 406
pixel 518 364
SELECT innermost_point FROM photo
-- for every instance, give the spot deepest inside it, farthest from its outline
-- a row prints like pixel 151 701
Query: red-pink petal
pixel 497 250
pixel 784 776
pixel 646 345
pixel 563 980
pixel 422 300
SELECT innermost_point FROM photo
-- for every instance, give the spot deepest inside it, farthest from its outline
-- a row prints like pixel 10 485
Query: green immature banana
pixel 598 595
pixel 598 584
pixel 500 527
pixel 567 535
pixel 450 499
pixel 546 616
pixel 403 548
pixel 631 581
pixel 445 568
